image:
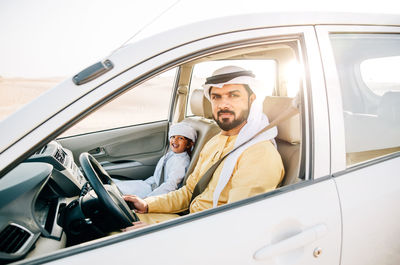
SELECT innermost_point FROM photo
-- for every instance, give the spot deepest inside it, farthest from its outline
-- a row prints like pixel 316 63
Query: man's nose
pixel 224 103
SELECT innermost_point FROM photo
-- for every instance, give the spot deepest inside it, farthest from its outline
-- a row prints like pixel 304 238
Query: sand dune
pixel 16 92
pixel 145 103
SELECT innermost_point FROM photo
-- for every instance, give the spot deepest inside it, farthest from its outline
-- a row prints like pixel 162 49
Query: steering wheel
pixel 107 192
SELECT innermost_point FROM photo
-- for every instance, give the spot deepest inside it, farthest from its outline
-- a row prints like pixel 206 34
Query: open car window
pixel 137 106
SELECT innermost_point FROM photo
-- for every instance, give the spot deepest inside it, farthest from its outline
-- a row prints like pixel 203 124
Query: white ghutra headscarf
pixel 256 120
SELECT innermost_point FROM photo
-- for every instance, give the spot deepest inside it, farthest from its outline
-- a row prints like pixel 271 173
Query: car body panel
pixel 369 200
pixel 234 236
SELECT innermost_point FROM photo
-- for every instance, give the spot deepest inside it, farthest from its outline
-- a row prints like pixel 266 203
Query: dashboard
pixel 33 196
pixel 66 179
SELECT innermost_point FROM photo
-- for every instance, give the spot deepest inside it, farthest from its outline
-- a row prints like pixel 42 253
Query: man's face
pixel 230 106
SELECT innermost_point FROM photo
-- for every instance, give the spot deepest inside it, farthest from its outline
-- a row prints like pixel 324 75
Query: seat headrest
pixel 200 105
pixel 389 107
pixel 289 130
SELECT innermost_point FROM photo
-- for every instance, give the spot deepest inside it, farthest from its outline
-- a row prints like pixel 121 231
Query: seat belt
pixel 205 179
pixel 182 92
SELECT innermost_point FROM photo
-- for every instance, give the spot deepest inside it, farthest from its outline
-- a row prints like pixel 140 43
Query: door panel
pixel 294 224
pixel 371 214
pixel 130 152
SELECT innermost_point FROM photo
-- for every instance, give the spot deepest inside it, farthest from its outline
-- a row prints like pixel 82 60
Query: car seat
pixel 203 123
pixel 288 138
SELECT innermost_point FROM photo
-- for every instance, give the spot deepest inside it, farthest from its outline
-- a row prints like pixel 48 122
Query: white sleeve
pixel 175 169
pixel 150 180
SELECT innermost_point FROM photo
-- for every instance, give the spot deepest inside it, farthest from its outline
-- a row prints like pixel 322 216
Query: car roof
pixel 59 97
pixel 232 23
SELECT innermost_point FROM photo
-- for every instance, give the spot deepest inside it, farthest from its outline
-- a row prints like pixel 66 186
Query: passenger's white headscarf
pixel 183 129
pixel 256 120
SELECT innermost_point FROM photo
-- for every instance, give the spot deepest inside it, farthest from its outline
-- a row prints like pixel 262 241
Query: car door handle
pixel 97 152
pixel 301 239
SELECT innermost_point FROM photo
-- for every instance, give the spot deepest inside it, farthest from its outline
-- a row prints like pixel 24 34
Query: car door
pixel 364 100
pixel 296 224
pixel 121 151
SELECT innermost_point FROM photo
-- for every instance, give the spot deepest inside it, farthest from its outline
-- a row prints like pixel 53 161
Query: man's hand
pixel 139 204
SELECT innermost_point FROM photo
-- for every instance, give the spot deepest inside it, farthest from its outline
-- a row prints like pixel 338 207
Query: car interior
pixel 52 201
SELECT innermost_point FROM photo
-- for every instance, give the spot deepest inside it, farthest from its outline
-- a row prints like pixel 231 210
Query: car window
pixel 278 78
pixel 370 85
pixel 137 106
pixel 264 70
pixel 378 81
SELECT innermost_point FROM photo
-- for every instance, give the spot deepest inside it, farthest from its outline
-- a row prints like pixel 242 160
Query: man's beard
pixel 227 125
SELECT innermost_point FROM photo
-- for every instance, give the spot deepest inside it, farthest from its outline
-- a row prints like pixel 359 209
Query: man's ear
pixel 252 98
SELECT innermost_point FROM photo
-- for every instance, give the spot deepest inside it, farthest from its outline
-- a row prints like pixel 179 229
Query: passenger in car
pixel 254 168
pixel 170 169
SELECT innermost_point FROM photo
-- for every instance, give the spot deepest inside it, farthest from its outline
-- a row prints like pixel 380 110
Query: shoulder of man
pixel 262 149
pixel 210 143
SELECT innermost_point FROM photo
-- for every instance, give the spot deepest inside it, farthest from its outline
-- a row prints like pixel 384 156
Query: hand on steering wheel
pixel 137 203
pixel 107 192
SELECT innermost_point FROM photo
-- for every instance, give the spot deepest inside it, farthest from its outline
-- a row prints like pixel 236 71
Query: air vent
pixel 12 238
pixel 60 156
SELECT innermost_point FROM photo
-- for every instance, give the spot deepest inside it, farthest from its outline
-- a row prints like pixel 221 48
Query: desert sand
pixel 146 103
pixel 15 92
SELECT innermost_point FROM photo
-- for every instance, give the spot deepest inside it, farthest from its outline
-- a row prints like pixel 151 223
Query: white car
pixel 338 203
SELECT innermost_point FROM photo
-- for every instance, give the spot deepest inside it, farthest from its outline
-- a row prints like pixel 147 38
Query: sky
pixel 58 38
